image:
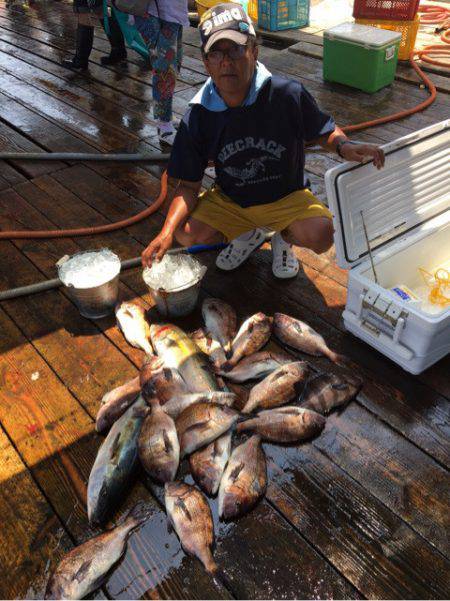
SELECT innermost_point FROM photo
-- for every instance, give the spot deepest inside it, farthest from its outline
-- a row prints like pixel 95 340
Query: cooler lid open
pixel 412 188
pixel 362 35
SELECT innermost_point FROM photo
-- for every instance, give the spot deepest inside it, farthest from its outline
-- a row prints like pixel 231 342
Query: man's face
pixel 231 66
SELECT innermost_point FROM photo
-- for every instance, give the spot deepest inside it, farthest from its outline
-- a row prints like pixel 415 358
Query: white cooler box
pixel 406 211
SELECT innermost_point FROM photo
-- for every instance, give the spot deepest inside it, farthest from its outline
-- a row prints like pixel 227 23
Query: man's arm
pixel 338 142
pixel 182 205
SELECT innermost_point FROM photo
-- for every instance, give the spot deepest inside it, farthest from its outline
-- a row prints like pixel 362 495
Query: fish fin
pixel 167 444
pixel 197 426
pixel 216 451
pixel 339 386
pixel 236 471
pixel 168 374
pixel 299 387
pixel 182 505
pixel 141 411
pixel 82 570
pixel 115 448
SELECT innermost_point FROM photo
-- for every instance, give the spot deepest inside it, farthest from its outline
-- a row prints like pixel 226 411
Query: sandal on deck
pixel 239 250
pixel 285 264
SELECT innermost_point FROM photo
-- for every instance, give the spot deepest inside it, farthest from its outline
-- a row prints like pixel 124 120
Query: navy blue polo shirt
pixel 258 148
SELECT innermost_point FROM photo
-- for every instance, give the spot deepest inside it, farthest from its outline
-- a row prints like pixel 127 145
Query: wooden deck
pixel 362 512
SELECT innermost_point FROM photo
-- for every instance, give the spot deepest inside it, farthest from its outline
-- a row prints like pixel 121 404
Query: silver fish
pixel 244 480
pixel 220 321
pixel 189 512
pixel 179 403
pixel 134 326
pixel 280 387
pixel 285 424
pixel 85 567
pixel 159 381
pixel 328 391
pixel 158 446
pixel 179 352
pixel 209 347
pixel 200 424
pixel 258 365
pixel 207 465
pixel 300 336
pixel 114 464
pixel 253 334
pixel 115 403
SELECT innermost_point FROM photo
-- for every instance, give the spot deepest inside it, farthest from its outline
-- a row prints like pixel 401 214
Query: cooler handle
pixel 390 53
pixel 391 343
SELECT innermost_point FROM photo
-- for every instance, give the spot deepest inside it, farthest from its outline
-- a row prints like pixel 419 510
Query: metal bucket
pixel 97 301
pixel 177 302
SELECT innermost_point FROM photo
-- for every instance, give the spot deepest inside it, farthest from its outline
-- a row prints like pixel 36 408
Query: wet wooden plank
pixel 394 470
pixel 362 538
pixel 33 539
pixel 261 557
pixel 38 128
pixel 62 90
pixel 13 141
pixel 62 445
pixel 88 128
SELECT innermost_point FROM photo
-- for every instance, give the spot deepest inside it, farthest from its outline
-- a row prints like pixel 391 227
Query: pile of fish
pixel 212 398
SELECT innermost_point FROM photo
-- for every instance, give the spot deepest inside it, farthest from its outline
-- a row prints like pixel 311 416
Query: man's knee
pixel 321 236
pixel 316 235
pixel 196 232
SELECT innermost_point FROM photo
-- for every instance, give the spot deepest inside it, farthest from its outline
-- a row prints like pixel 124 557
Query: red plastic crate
pixel 396 10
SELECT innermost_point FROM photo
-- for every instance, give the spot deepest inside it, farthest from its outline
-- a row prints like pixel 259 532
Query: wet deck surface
pixel 360 512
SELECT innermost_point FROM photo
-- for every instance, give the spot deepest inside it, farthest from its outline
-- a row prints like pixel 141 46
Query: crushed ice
pixel 173 271
pixel 90 268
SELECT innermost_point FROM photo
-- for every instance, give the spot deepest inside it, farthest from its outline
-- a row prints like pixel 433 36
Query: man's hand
pixel 359 152
pixel 157 248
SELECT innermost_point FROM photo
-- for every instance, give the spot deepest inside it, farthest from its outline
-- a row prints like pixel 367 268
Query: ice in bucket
pixel 92 279
pixel 174 283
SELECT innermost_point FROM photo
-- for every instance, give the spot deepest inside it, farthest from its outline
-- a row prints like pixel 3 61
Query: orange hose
pixel 90 231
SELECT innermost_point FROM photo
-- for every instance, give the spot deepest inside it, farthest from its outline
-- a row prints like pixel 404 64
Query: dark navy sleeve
pixel 314 122
pixel 187 160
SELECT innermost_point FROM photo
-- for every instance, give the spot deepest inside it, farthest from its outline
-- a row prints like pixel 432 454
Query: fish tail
pixel 210 565
pixel 228 350
pixel 338 358
pixel 226 367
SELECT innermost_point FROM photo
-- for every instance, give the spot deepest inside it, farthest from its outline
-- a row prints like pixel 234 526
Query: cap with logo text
pixel 227 21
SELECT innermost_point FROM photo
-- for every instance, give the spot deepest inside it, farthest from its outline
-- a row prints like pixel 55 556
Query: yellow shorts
pixel 220 212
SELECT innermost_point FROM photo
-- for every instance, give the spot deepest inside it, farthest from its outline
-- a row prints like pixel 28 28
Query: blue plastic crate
pixel 275 15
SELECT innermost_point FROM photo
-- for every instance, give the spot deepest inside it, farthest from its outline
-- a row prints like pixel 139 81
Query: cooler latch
pixel 384 311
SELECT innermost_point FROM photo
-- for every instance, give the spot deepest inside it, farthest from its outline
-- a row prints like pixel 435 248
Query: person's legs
pixel 84 42
pixel 197 232
pixel 115 36
pixel 165 70
pixel 162 40
pixel 315 233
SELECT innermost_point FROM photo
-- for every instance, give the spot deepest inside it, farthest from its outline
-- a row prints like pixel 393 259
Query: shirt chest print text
pixel 254 167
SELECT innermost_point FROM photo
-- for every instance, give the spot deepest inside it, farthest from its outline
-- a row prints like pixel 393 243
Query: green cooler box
pixel 360 56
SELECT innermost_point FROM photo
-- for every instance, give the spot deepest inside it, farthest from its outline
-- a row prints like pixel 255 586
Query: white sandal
pixel 285 264
pixel 239 250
